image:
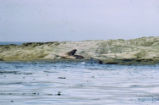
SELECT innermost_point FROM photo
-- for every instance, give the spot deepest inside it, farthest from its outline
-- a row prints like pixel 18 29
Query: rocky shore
pixel 143 50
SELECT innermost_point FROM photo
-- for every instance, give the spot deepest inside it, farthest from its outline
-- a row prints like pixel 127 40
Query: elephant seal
pixel 72 54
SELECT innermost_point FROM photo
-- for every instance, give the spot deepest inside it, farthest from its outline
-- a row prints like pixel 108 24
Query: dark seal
pixel 73 52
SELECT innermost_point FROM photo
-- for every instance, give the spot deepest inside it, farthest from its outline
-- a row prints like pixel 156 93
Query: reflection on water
pixel 47 83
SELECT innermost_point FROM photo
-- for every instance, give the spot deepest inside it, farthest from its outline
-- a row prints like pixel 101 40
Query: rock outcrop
pixel 143 50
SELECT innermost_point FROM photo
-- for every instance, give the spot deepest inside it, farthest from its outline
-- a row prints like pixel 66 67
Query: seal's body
pixel 72 52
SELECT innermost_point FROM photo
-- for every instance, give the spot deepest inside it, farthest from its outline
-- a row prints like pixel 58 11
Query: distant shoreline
pixel 135 51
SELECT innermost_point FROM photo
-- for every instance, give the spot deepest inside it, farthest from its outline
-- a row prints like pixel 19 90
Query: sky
pixel 74 20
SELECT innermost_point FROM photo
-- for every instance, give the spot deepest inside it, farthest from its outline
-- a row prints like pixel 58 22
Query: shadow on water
pixel 15 72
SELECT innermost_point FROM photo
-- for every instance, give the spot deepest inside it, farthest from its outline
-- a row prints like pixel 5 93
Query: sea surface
pixel 77 83
pixel 8 43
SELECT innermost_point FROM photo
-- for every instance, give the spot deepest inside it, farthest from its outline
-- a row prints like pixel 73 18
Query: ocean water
pixel 82 83
pixel 7 43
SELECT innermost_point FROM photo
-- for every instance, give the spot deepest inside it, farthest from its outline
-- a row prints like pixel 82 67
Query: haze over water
pixel 61 20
